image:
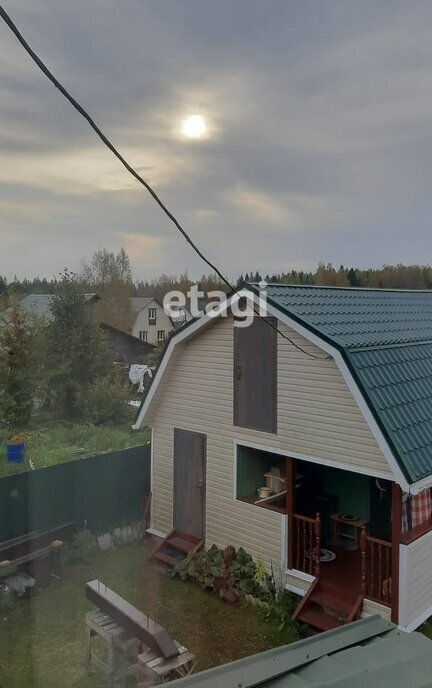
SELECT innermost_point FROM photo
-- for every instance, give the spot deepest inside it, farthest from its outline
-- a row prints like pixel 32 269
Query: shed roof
pixel 371 652
pixel 385 337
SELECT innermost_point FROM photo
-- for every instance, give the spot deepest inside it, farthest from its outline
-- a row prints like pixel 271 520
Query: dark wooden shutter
pixel 255 375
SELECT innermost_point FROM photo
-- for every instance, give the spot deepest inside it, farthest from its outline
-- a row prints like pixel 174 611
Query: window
pixel 161 335
pixel 143 335
pixel 260 476
pixel 255 375
pixel 152 316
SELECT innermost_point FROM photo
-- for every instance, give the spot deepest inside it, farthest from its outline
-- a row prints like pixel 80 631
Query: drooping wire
pixel 42 66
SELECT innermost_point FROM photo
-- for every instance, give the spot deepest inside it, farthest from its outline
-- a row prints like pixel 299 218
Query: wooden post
pixel 363 559
pixel 317 545
pixel 289 507
pixel 396 516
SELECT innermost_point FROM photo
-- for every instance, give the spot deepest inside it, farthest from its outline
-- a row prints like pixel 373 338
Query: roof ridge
pixel 341 288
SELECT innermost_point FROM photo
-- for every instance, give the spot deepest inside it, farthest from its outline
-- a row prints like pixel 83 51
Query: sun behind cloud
pixel 194 127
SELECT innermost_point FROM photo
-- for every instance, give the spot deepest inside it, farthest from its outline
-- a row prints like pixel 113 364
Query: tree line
pixel 111 273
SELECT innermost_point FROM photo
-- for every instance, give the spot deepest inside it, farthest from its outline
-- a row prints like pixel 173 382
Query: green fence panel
pixel 101 491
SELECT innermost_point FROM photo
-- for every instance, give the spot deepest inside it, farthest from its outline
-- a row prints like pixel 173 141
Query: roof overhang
pixel 190 329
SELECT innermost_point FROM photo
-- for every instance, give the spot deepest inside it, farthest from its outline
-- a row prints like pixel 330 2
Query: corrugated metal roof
pixel 359 317
pixel 385 337
pixel 371 652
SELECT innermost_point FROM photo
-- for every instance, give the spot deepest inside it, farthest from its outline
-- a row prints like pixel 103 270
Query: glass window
pixel 152 316
pixel 161 335
pixel 143 335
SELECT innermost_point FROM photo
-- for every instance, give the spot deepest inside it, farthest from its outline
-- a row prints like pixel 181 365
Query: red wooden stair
pixel 175 546
pixel 326 606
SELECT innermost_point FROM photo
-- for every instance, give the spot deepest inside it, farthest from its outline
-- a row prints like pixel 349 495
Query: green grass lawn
pixel 42 639
pixel 59 442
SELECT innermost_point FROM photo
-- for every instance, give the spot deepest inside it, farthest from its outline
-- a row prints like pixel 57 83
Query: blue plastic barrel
pixel 15 452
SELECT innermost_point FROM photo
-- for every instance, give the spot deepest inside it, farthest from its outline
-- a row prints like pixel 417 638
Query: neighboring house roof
pixel 40 304
pixel 177 320
pixel 385 337
pixel 371 652
pixel 381 341
pixel 139 303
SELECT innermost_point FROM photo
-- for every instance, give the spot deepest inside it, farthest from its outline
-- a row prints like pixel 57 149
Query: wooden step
pixel 329 601
pixel 181 543
pixel 160 555
pixel 315 617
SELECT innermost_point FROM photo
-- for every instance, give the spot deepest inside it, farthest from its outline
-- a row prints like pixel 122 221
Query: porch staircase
pixel 326 606
pixel 175 547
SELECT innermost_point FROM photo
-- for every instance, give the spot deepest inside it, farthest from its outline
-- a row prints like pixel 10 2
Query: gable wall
pixel 317 416
pixel 142 323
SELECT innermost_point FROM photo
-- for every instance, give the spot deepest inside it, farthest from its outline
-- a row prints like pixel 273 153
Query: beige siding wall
pixel 142 323
pixel 415 581
pixel 317 417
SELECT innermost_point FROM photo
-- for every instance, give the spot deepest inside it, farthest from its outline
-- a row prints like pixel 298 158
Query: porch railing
pixel 376 567
pixel 307 544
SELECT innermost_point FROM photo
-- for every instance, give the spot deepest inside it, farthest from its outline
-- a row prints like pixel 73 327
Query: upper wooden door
pixel 189 482
pixel 255 375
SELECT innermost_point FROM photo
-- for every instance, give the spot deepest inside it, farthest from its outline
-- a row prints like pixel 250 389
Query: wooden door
pixel 255 375
pixel 189 482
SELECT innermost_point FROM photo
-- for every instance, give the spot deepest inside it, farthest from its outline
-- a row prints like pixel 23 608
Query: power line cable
pixel 4 15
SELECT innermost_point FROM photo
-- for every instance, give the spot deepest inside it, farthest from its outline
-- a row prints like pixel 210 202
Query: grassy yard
pixel 59 442
pixel 42 640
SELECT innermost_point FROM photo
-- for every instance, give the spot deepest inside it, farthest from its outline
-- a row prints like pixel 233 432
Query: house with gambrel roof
pixel 306 438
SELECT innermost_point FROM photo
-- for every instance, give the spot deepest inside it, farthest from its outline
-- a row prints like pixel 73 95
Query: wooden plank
pixel 396 515
pixel 35 542
pixel 131 619
pixel 289 503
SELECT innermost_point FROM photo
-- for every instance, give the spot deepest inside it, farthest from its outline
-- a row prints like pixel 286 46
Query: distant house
pixel 152 324
pixel 40 304
pixel 371 652
pixel 306 438
pixel 123 347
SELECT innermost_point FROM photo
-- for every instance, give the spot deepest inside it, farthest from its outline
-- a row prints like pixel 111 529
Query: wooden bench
pixel 118 622
pixel 35 545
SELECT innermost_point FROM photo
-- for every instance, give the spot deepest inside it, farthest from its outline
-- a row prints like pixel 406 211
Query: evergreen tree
pixel 76 355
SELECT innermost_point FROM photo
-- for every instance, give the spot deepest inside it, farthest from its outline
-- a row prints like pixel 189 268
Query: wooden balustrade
pixel 376 567
pixel 307 544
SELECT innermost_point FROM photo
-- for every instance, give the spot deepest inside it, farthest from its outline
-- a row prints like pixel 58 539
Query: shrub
pixel 104 401
pixel 227 572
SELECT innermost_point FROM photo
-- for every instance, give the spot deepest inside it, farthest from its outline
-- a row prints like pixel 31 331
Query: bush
pixel 104 402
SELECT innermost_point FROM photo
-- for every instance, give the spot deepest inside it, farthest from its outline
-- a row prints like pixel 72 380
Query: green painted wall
pixel 351 489
pixel 252 464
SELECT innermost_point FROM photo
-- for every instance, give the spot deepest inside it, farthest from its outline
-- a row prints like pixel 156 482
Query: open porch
pixel 343 528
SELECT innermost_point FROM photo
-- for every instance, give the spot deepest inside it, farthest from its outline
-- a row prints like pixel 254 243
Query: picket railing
pixel 307 544
pixel 376 558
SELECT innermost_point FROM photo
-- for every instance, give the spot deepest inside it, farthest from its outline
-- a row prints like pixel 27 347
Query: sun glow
pixel 194 127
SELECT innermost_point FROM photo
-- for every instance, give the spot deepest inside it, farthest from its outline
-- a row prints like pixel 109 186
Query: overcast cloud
pixel 319 145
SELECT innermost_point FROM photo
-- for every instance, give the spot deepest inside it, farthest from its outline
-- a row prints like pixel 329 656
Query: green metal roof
pixel 385 337
pixel 371 653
